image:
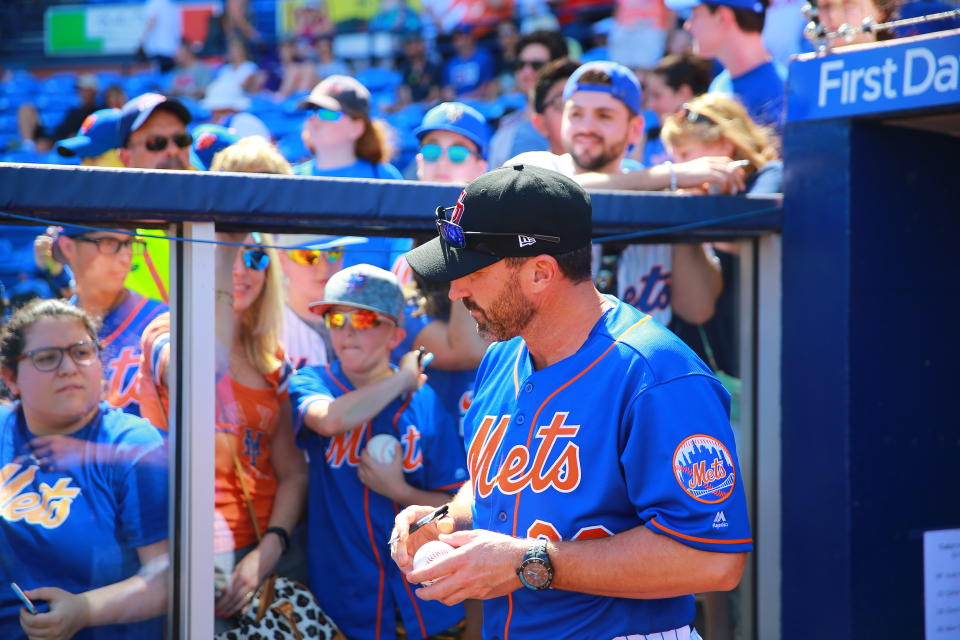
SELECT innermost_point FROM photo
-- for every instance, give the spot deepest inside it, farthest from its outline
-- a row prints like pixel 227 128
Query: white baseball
pixel 383 448
pixel 428 553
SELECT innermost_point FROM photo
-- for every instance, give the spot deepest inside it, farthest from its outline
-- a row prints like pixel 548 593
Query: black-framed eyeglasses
pixel 112 246
pixel 495 244
pixel 159 143
pixel 84 353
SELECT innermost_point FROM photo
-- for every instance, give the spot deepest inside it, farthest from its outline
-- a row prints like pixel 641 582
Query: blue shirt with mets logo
pixel 351 571
pixel 77 524
pixel 631 430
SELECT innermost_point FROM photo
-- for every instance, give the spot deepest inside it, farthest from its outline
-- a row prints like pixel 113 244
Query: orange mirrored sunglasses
pixel 311 257
pixel 361 319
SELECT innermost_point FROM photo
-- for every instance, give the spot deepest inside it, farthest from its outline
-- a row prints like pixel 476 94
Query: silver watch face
pixel 536 574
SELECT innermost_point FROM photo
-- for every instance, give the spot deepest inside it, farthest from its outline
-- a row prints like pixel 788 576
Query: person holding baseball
pixel 343 412
pixel 604 483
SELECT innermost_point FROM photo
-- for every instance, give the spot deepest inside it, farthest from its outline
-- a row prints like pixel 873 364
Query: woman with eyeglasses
pixel 354 496
pixel 100 262
pixel 255 450
pixel 347 143
pixel 83 519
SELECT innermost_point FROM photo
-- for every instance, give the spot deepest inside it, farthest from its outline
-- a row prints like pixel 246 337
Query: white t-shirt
pixel 164 37
pixel 236 75
pixel 643 271
pixel 304 344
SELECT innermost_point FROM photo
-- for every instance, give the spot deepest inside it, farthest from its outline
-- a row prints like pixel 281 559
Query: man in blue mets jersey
pixel 604 482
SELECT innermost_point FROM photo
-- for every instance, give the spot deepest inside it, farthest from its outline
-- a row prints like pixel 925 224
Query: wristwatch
pixel 535 571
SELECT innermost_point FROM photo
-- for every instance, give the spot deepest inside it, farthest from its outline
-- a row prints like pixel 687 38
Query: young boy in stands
pixel 353 498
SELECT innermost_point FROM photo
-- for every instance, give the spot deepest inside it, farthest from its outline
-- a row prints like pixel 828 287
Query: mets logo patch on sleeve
pixel 704 468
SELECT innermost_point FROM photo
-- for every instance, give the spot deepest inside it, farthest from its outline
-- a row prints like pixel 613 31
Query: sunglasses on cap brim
pixel 491 243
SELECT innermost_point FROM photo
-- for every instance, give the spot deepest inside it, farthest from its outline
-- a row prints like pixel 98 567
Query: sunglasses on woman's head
pixel 159 143
pixel 328 115
pixel 686 114
pixel 310 257
pixel 457 153
pixel 361 319
pixel 256 259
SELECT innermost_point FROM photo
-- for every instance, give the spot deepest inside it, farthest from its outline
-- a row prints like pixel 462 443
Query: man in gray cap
pixel 601 458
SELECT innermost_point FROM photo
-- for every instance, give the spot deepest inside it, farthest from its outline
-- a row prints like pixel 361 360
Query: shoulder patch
pixel 703 467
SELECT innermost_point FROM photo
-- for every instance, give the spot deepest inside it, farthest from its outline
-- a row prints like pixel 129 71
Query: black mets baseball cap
pixel 516 211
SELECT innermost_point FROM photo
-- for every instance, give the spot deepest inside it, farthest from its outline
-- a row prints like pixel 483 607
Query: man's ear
pixel 539 123
pixel 540 272
pixel 124 154
pixel 635 129
pixel 68 247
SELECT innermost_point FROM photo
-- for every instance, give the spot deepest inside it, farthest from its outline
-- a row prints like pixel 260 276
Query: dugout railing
pixel 191 205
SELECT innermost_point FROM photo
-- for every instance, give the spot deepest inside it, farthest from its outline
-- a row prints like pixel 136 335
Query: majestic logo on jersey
pixel 720 521
pixel 345 448
pixel 653 294
pixel 536 468
pixel 458 209
pixel 704 468
pixel 49 508
pixel 526 241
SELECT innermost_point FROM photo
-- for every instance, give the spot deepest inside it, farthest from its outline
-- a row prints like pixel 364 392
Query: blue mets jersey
pixel 78 526
pixel 454 388
pixel 120 332
pixel 351 571
pixel 631 430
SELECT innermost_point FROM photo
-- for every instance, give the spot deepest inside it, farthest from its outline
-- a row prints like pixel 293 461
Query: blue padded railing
pixel 301 204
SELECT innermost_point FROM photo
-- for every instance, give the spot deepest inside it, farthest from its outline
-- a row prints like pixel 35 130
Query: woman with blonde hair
pixel 261 476
pixel 715 124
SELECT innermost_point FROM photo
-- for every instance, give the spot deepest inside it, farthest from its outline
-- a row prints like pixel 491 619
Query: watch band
pixel 282 534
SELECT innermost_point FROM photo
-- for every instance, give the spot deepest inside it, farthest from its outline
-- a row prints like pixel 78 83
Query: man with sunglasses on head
pixel 353 497
pixel 100 262
pixel 153 133
pixel 604 485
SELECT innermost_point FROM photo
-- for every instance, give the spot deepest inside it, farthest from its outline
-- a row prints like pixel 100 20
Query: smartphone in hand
pixel 28 605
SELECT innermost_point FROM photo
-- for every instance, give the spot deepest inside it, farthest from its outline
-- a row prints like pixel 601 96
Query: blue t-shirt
pixel 454 388
pixel 379 251
pixel 78 527
pixel 761 90
pixel 465 75
pixel 631 430
pixel 349 525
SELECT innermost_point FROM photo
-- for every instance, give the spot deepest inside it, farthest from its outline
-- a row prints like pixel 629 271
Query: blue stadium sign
pixel 894 76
